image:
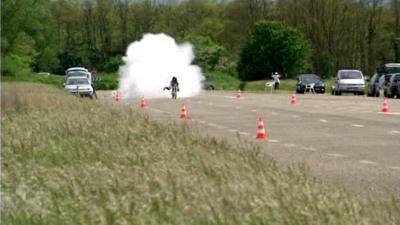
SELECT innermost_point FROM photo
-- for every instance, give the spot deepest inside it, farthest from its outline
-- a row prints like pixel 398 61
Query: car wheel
pixel 395 94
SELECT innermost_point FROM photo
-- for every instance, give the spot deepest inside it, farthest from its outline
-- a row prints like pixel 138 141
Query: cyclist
pixel 174 85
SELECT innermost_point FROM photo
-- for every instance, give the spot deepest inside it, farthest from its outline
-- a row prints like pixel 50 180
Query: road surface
pixel 345 140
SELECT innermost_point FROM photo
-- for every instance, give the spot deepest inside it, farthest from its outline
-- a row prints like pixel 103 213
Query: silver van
pixel 78 72
pixel 349 81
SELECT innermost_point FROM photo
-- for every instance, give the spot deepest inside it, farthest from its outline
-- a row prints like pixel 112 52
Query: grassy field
pixel 55 80
pixel 69 160
pixel 109 81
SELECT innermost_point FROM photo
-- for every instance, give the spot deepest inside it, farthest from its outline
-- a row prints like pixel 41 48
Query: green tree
pixel 273 46
pixel 28 29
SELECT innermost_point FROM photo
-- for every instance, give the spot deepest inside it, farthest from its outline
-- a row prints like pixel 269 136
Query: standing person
pixel 94 76
pixel 276 77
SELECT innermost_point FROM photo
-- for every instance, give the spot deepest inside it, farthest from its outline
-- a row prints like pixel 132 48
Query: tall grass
pixel 52 79
pixel 67 160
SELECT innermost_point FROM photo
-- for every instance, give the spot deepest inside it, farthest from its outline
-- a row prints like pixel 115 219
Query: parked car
pixel 393 87
pixel 349 81
pixel 72 69
pixel 308 80
pixel 383 85
pixel 78 72
pixel 79 86
pixel 208 84
pixel 373 85
pixel 390 68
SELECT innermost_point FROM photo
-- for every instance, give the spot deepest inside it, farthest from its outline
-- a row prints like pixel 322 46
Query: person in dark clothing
pixel 173 83
pixel 94 79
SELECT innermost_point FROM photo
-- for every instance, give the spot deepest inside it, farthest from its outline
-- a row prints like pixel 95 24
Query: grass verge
pixel 55 80
pixel 67 160
pixel 108 81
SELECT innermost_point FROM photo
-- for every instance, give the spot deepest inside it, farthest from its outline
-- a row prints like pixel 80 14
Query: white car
pixel 79 86
pixel 78 72
pixel 72 69
pixel 349 81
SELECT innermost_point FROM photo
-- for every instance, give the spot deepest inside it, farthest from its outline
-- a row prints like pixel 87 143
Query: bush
pixel 207 52
pixel 109 81
pixel 113 64
pixel 14 65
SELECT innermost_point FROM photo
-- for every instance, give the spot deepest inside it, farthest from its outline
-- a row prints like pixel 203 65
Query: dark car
pixel 379 82
pixel 383 85
pixel 393 86
pixel 208 84
pixel 390 68
pixel 310 81
pixel 373 85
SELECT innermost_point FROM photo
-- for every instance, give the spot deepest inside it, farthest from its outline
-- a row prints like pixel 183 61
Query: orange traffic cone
pixel 261 130
pixel 143 103
pixel 294 99
pixel 239 94
pixel 385 107
pixel 184 113
pixel 117 97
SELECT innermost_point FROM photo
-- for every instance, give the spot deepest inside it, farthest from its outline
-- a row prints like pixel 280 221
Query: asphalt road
pixel 345 140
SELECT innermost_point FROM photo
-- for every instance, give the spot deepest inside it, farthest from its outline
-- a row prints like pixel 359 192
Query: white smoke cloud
pixel 150 65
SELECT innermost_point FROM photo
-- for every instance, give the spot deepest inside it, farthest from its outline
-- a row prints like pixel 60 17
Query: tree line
pixel 51 35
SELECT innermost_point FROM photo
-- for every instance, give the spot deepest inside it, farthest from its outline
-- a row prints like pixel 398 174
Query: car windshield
pixel 310 78
pixel 77 74
pixel 77 81
pixel 392 69
pixel 350 75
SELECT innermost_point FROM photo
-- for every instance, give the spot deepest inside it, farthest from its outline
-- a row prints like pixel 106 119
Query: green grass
pixel 52 79
pixel 285 85
pixel 68 160
pixel 224 81
pixel 109 81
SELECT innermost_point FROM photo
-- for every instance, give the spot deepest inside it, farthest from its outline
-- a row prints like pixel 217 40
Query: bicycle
pixel 174 91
